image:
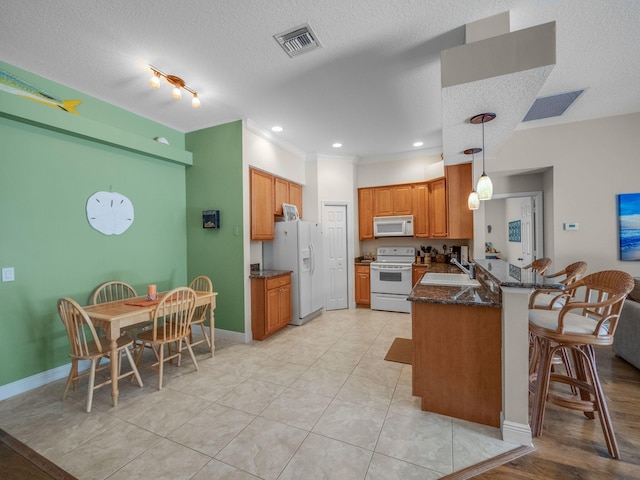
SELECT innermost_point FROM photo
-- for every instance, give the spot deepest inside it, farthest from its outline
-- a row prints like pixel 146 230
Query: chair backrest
pixel 539 266
pixel 604 295
pixel 173 314
pixel 574 272
pixel 201 284
pixel 80 331
pixel 113 291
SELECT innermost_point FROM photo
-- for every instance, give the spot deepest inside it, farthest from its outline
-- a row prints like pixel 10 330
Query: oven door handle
pixel 391 269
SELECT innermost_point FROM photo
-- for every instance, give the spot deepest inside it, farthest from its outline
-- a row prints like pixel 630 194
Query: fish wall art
pixel 12 84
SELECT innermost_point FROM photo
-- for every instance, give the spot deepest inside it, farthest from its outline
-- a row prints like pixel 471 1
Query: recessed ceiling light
pixel 336 145
pixel 418 144
pixel 277 128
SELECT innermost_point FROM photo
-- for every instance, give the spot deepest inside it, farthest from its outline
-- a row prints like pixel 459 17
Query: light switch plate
pixel 8 274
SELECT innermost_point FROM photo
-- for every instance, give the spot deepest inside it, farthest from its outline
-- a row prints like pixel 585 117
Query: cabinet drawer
pixel 278 281
pixel 362 269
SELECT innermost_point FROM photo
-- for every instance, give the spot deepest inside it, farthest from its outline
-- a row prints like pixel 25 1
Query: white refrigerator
pixel 298 247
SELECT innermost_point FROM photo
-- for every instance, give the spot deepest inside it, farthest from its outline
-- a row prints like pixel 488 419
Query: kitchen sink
pixel 449 280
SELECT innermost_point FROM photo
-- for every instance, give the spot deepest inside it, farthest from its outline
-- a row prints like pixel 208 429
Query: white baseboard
pixel 233 336
pixel 517 433
pixel 34 381
pixel 43 378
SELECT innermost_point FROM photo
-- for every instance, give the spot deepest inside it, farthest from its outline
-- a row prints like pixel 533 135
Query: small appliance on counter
pixel 461 254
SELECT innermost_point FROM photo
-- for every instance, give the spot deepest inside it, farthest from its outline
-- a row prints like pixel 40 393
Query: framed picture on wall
pixel 629 226
pixel 514 231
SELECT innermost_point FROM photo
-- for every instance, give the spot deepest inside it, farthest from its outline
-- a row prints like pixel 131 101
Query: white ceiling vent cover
pixel 298 40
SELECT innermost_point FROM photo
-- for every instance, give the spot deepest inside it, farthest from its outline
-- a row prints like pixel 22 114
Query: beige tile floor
pixel 313 402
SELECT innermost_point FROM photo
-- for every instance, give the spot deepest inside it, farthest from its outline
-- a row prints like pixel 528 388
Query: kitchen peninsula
pixel 470 355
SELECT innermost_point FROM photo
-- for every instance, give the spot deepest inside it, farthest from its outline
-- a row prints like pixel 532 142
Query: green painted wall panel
pixel 46 178
pixel 214 182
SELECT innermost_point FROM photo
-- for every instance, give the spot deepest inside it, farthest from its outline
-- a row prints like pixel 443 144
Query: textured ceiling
pixel 374 85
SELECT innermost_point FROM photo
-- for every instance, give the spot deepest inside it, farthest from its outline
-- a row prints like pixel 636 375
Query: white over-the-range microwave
pixel 394 226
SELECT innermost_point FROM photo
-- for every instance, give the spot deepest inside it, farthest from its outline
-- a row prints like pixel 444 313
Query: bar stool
pixel 577 327
pixel 553 299
pixel 539 266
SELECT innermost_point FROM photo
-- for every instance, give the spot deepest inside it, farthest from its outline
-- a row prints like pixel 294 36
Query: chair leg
pixel 134 369
pixel 193 357
pixel 601 403
pixel 71 377
pixel 541 386
pixel 92 381
pixel 160 366
pixel 581 369
pixel 205 335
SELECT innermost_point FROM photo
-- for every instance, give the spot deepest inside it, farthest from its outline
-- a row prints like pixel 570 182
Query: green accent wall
pixel 214 182
pixel 46 177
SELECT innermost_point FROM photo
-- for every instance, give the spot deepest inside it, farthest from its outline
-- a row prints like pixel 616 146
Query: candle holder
pixel 152 293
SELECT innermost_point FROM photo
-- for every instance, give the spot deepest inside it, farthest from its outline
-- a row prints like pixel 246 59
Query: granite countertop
pixel 461 295
pixel 473 296
pixel 505 274
pixel 268 273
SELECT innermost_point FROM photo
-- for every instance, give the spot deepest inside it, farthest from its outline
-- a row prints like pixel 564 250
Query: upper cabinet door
pixel 438 208
pixel 382 201
pixel 403 200
pixel 281 194
pixel 421 210
pixel 262 198
pixel 295 196
pixel 365 213
pixel 459 185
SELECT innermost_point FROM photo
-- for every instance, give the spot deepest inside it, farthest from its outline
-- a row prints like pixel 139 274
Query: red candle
pixel 151 292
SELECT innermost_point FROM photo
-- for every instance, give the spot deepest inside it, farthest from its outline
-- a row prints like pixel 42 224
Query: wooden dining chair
pixel 201 284
pixel 539 266
pixel 87 345
pixel 115 291
pixel 171 325
pixel 577 327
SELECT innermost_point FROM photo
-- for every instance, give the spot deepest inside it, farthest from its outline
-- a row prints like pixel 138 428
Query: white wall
pixel 266 155
pixel 592 162
pixel 404 170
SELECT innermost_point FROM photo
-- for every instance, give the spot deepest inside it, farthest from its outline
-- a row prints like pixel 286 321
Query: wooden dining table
pixel 112 317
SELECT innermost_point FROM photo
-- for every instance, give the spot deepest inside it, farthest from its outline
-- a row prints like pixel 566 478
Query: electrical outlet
pixel 8 274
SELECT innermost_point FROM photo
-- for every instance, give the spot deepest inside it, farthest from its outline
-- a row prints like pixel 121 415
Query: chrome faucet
pixel 471 271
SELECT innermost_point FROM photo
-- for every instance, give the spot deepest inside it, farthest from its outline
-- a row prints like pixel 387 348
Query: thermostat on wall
pixel 570 226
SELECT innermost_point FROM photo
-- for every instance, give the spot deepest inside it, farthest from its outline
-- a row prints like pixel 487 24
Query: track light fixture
pixel 177 83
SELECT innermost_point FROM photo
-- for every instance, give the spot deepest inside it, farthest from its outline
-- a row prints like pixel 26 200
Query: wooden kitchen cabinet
pixel 438 209
pixel 363 285
pixel 393 200
pixel 287 192
pixel 457 352
pixel 270 305
pixel 281 194
pixel 262 201
pixel 417 271
pixel 421 210
pixel 295 196
pixel 459 185
pixel 365 213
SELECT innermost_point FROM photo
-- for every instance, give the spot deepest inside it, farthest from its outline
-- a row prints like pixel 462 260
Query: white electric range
pixel 391 278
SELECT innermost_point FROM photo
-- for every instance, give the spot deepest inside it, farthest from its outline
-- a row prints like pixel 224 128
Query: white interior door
pixel 334 224
pixel 526 232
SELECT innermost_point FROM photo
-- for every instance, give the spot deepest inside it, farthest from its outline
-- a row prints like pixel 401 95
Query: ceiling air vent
pixel 551 106
pixel 298 40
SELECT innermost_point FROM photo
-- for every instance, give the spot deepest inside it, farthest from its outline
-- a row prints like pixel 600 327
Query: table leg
pixel 112 335
pixel 212 324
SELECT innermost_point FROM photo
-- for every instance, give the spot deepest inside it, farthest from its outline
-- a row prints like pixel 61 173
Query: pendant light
pixel 473 202
pixel 484 187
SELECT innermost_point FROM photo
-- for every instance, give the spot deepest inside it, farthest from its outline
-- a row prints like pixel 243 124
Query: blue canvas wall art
pixel 629 226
